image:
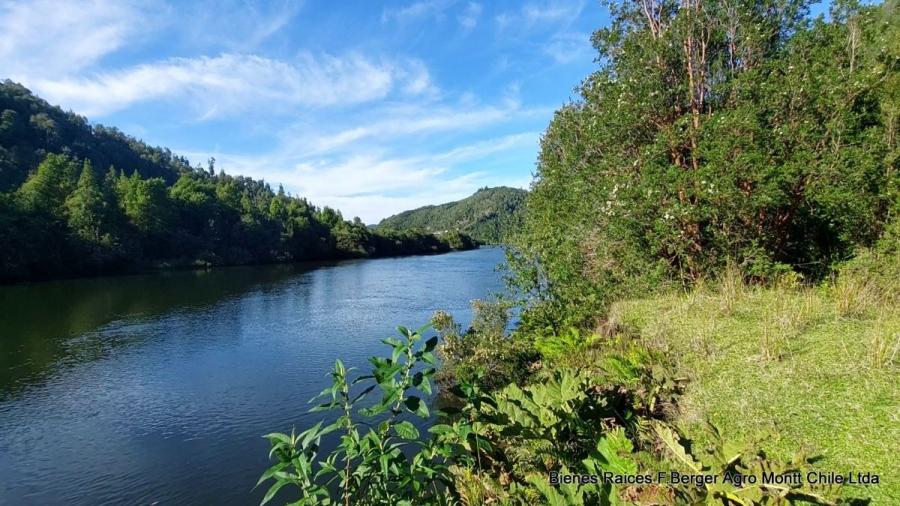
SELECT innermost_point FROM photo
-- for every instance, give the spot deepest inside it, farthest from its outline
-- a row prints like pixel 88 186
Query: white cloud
pixel 373 186
pixel 58 49
pixel 537 15
pixel 417 79
pixel 408 120
pixel 569 47
pixel 487 147
pixel 425 8
pixel 59 37
pixel 264 25
pixel 221 20
pixel 232 83
pixel 552 12
pixel 469 17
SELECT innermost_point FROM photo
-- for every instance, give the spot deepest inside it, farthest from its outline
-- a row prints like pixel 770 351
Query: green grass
pixel 788 369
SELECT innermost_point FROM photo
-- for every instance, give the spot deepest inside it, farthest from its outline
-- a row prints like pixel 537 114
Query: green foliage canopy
pixel 151 208
pixel 714 132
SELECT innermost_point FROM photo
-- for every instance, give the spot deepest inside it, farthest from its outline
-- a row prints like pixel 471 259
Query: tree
pixel 713 132
pixel 65 220
pixel 46 190
pixel 87 211
pixel 145 203
pixel 278 206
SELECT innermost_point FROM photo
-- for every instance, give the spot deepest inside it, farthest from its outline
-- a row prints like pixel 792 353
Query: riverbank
pixel 213 262
pixel 722 383
pixel 787 369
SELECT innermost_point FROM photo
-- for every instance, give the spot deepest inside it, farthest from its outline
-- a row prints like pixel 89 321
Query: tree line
pixel 62 213
pixel 715 133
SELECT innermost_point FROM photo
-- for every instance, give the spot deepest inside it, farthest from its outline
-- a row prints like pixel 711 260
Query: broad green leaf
pixel 309 435
pixel 277 436
pixel 323 407
pixel 393 342
pixel 671 442
pixel 407 430
pixel 271 472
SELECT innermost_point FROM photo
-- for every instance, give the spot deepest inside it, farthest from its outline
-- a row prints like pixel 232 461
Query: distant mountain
pixel 488 216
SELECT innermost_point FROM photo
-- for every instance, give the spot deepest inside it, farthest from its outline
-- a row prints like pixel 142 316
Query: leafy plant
pixel 484 353
pixel 740 477
pixel 569 341
pixel 384 460
pixel 693 145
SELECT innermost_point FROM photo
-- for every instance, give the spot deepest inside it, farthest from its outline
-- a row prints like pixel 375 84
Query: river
pixel 157 388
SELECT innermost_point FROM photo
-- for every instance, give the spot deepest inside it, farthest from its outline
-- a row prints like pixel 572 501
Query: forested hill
pixel 79 199
pixel 30 128
pixel 487 216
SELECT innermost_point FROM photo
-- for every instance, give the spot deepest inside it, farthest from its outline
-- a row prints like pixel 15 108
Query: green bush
pixel 484 352
pixel 692 145
pixel 388 463
pixel 502 446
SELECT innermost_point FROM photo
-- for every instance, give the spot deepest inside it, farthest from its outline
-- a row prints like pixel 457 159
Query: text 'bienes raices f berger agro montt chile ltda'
pixel 737 479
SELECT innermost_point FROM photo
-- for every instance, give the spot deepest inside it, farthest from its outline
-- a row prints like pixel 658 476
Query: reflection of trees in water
pixel 60 322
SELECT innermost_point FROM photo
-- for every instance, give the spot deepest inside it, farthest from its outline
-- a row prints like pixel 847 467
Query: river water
pixel 156 388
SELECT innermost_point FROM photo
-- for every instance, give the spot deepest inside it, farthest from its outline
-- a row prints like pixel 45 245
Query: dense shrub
pixel 484 352
pixel 504 446
pixel 713 132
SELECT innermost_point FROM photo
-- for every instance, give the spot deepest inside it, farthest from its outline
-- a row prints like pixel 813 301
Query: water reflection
pixel 39 318
pixel 157 388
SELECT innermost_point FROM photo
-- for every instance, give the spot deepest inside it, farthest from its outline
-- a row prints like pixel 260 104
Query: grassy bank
pixel 726 378
pixel 788 368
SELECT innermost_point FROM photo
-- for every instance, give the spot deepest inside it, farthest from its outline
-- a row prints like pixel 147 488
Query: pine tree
pixel 86 209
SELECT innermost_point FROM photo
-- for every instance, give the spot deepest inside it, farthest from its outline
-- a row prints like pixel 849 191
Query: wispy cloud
pixel 468 19
pixel 467 14
pixel 256 22
pixel 567 47
pixel 58 37
pixel 392 123
pixel 560 13
pixel 415 10
pixel 552 12
pixel 372 186
pixel 232 83
pixel 265 24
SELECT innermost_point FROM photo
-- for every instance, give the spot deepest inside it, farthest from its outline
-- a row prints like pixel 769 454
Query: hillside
pixel 30 128
pixel 487 216
pixel 82 199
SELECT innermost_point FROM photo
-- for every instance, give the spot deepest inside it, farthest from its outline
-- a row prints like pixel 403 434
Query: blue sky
pixel 369 107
